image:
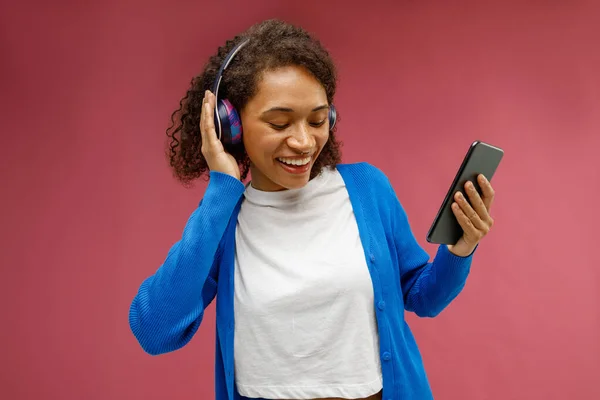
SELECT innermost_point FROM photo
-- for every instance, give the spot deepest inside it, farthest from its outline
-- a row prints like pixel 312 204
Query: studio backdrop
pixel 90 208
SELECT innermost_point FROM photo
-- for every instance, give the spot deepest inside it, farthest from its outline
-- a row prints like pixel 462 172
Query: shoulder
pixel 365 176
pixel 371 186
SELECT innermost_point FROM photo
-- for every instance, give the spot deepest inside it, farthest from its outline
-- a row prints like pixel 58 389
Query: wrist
pixel 461 250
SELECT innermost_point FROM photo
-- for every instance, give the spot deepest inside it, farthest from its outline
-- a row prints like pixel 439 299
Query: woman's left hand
pixel 475 220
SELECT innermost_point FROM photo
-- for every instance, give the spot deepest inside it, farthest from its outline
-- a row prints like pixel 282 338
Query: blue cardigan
pixel 169 306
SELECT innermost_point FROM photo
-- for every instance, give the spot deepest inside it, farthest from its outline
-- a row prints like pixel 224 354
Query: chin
pixel 292 178
pixel 281 178
pixel 298 184
pixel 288 181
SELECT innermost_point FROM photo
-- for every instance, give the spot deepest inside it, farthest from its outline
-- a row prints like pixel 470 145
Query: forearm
pixel 169 302
pixel 438 283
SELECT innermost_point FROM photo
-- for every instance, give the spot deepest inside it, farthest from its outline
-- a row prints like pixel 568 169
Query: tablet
pixel 482 158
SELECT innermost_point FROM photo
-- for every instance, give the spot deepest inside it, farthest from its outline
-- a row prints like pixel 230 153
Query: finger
pixel 476 201
pixel 470 232
pixel 488 192
pixel 211 98
pixel 209 120
pixel 203 118
pixel 470 213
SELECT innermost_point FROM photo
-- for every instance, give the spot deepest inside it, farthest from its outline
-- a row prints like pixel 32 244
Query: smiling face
pixel 285 128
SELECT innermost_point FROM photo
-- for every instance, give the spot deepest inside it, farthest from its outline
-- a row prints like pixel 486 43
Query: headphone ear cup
pixel 231 124
pixel 332 117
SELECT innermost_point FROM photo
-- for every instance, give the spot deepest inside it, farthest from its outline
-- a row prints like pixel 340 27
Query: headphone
pixel 228 124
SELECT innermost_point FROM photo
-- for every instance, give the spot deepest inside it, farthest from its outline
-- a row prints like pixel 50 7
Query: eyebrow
pixel 286 109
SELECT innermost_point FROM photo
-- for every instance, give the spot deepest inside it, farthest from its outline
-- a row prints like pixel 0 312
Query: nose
pixel 300 139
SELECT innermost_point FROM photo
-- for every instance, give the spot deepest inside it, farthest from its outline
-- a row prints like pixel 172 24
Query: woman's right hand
pixel 212 149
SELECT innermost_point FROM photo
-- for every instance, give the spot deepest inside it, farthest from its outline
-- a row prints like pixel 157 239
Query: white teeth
pixel 295 161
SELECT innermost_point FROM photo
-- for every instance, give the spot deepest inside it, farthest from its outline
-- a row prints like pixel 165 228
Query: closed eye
pixel 282 127
pixel 278 127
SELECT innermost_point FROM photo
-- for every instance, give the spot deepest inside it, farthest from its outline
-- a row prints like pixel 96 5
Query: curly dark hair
pixel 273 44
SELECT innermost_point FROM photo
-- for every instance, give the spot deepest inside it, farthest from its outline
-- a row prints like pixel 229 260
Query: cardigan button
pixel 387 356
pixel 372 258
pixel 381 305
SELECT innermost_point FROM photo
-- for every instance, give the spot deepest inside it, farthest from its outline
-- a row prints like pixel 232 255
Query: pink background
pixel 89 207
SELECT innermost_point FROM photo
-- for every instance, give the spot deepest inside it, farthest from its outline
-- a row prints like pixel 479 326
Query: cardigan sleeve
pixel 427 287
pixel 169 305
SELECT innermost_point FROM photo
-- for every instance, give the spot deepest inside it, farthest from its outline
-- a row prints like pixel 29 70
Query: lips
pixel 296 165
pixel 294 161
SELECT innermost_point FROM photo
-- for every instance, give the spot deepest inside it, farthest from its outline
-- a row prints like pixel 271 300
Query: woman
pixel 313 262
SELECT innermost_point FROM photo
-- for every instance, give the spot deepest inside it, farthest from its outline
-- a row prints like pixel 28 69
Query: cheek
pixel 259 145
pixel 322 139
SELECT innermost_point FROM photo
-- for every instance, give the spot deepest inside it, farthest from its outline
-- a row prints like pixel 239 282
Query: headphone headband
pixel 224 65
pixel 226 61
